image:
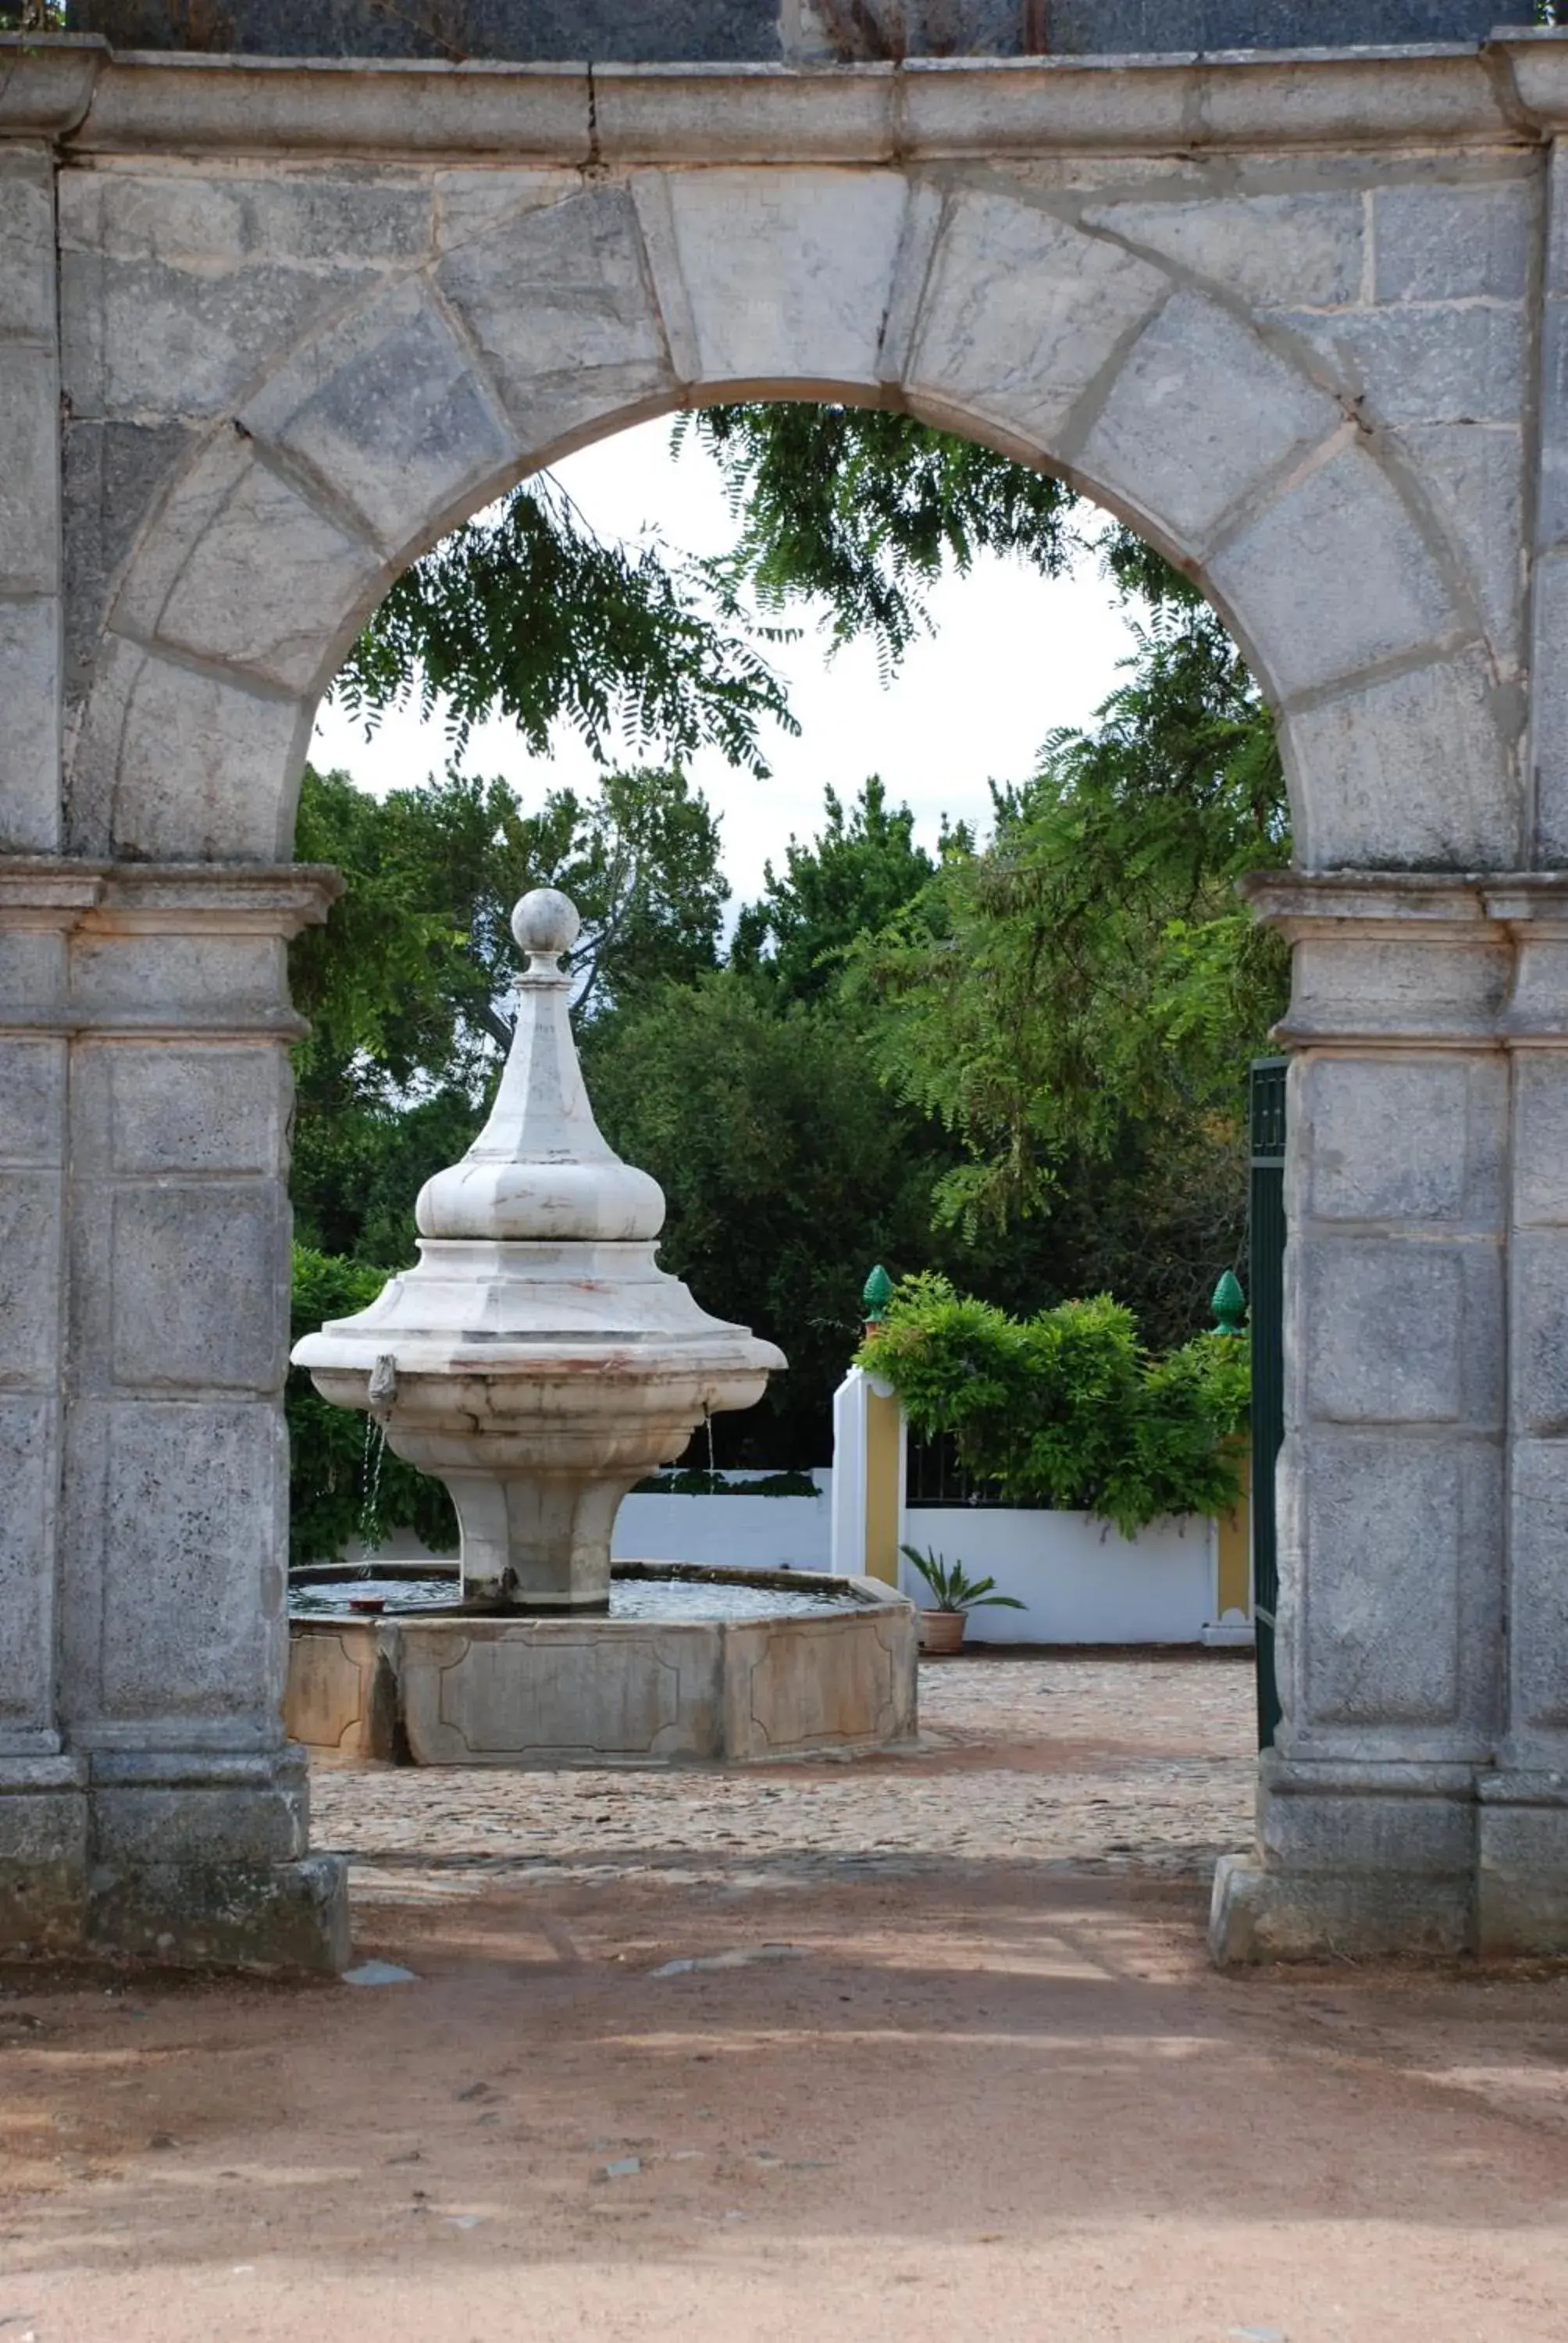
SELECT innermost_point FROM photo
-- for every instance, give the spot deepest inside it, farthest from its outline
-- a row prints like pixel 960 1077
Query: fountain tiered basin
pixel 539 1361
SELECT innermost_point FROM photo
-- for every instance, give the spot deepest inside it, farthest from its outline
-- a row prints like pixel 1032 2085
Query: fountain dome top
pixel 541 1169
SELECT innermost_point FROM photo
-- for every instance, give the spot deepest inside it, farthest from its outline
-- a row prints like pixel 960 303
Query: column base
pixel 1257 1915
pixel 1368 1858
pixel 43 1855
pixel 258 1916
pixel 85 1868
pixel 1521 1900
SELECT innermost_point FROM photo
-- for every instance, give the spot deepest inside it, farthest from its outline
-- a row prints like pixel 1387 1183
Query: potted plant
pixel 956 1593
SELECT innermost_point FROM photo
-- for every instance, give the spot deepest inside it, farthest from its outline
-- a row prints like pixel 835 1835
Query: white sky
pixel 1014 656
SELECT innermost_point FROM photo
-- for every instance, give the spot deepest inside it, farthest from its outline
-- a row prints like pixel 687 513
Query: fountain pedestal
pixel 537 1360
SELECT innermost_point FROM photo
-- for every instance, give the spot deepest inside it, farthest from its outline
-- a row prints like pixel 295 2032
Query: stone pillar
pixel 1523 1817
pixel 149 1801
pixel 1392 1541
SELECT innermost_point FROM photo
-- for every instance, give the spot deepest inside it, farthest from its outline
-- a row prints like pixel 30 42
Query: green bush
pixel 1066 1409
pixel 327 1491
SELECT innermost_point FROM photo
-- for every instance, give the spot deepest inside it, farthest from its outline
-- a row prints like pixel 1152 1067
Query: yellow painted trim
pixel 1234 1590
pixel 884 1436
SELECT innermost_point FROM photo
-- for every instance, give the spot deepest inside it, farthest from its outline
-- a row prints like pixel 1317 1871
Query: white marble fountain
pixel 539 1361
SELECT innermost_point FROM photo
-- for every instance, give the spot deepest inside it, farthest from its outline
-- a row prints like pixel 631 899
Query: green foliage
pixel 1084 991
pixel 1066 1409
pixel 693 1483
pixel 525 613
pixel 328 1499
pixel 953 1587
pixel 859 872
pixel 862 509
pixel 408 984
pixel 785 1166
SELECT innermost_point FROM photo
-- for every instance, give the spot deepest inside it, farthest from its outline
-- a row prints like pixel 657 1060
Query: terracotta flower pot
pixel 942 1632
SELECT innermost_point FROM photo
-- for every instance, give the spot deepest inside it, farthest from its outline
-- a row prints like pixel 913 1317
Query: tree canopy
pixel 1016 1061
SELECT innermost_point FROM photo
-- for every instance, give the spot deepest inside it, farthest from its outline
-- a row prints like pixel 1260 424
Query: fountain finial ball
pixel 546 922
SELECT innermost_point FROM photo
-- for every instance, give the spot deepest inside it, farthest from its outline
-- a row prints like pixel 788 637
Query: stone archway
pixel 1287 317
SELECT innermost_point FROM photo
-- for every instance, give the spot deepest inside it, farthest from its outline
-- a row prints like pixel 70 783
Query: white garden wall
pixel 739 1533
pixel 1080 1580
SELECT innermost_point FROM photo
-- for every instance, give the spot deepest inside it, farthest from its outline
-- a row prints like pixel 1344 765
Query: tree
pixel 1077 1000
pixel 860 871
pixel 788 1171
pixel 408 984
pixel 523 612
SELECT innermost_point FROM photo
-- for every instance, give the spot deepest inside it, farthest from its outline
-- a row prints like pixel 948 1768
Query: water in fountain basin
pixel 674 1599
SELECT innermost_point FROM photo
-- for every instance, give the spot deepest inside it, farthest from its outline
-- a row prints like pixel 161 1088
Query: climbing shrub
pixel 327 1498
pixel 1066 1409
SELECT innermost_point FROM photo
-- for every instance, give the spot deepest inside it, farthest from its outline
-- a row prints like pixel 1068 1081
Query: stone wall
pixel 645 32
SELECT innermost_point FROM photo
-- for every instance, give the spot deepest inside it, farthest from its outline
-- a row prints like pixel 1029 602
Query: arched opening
pixel 1117 340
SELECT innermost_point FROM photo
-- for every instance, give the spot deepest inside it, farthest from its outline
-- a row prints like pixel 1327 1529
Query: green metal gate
pixel 1266 1104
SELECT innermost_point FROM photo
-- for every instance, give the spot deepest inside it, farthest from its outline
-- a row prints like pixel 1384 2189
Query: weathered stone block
pixel 1345 517
pixel 135 1826
pixel 1540 1137
pixel 198 1277
pixel 1401 1330
pixel 272 1917
pixel 30 737
pixel 1474 476
pixel 1521 1848
pixel 176 1523
pixel 1437 243
pixel 1552 516
pixel 170 1109
pixel 1538 1542
pixel 165 979
pixel 1424 1140
pixel 173 764
pixel 270 585
pixel 472 1696
pixel 43 1857
pixel 756 262
pixel 1540 1330
pixel 1407 773
pixel 805 1684
pixel 1349 1817
pixel 29 471
pixel 1200 415
pixel 1262 248
pixel 32 1085
pixel 1445 362
pixel 177 292
pixel 1549 707
pixel 1022 313
pixel 385 412
pixel 557 299
pixel 1257 1915
pixel 1397 1622
pixel 114 475
pixel 26 249
pixel 29 1468
pixel 30 1254
pixel 343 1690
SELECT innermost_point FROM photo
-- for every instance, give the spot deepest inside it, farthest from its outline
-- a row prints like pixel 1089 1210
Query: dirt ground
pixel 959 2071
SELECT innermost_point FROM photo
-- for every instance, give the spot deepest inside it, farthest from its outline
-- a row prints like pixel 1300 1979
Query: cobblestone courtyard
pixel 902 2051
pixel 1118 1764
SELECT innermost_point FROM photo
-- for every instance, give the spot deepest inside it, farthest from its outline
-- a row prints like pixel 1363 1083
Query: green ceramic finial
pixel 876 1295
pixel 1229 1303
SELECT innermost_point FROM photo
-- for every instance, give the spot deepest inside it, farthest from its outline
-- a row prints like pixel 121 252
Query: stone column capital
pixel 154 948
pixel 1421 959
pixel 166 898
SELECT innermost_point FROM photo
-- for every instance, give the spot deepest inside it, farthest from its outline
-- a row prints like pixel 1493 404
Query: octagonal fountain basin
pixel 690 1665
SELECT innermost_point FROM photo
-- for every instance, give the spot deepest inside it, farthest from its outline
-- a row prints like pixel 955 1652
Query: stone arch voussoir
pixel 553 312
